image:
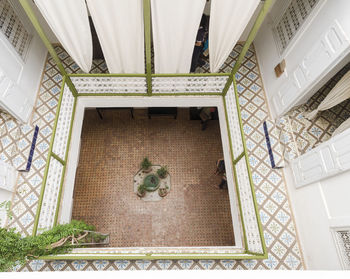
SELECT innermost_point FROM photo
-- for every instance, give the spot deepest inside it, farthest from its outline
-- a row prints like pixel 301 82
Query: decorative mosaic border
pixel 50 196
pixel 187 84
pixel 109 84
pixel 129 85
pixel 252 228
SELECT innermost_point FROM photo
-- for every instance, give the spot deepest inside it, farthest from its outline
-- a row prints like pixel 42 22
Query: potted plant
pixel 141 190
pixel 146 165
pixel 163 172
pixel 163 191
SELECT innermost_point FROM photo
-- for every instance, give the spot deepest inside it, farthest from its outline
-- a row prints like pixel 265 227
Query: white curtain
pixel 69 21
pixel 344 126
pixel 228 19
pixel 339 93
pixel 119 26
pixel 175 25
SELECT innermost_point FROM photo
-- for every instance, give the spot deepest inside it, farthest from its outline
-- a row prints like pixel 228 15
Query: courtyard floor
pixel 194 213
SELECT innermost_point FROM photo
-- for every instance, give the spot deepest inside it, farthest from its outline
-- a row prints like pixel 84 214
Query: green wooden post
pixel 247 43
pixel 147 25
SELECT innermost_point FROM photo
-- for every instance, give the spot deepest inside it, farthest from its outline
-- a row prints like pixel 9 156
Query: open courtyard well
pixel 194 213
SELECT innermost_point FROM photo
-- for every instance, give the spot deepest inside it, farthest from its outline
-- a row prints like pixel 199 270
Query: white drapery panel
pixel 339 93
pixel 228 19
pixel 69 21
pixel 119 26
pixel 175 25
pixel 344 126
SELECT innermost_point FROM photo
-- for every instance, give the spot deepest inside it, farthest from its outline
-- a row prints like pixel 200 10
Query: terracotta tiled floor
pixel 194 213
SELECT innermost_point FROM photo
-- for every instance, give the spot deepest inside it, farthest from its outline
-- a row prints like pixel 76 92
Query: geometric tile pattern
pixel 209 84
pixel 254 243
pixel 25 199
pixel 310 133
pixel 63 123
pixel 108 85
pixel 15 141
pixel 50 198
pixel 271 194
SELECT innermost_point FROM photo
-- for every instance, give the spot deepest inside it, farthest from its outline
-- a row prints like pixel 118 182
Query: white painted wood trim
pixel 328 159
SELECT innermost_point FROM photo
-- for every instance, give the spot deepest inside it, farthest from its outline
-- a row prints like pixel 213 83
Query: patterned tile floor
pixel 111 152
pixel 25 200
pixel 272 197
pixel 310 133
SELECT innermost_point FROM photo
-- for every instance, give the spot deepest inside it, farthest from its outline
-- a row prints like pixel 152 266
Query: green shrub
pixel 162 172
pixel 15 249
pixel 6 205
pixel 145 164
pixel 142 188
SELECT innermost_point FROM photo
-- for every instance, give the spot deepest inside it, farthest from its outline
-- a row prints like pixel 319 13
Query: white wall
pixel 323 16
pixel 34 64
pixel 318 208
pixel 24 75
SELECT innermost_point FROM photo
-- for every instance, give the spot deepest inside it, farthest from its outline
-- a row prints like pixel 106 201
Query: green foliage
pixel 95 237
pixel 162 172
pixel 7 206
pixel 162 192
pixel 15 249
pixel 142 188
pixel 145 164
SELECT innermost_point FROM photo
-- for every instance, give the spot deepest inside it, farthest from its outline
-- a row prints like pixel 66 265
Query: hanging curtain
pixel 339 93
pixel 175 25
pixel 119 26
pixel 344 126
pixel 69 21
pixel 228 19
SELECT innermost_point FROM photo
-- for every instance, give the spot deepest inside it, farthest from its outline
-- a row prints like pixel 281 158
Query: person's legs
pixel 222 184
pixel 195 58
pixel 204 124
